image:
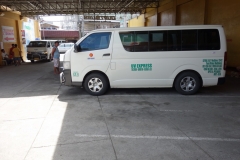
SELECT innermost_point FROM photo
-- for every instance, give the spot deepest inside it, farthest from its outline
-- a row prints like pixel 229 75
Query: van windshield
pixel 37 44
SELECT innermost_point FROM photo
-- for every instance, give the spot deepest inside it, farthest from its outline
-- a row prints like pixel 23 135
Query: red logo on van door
pixel 90 54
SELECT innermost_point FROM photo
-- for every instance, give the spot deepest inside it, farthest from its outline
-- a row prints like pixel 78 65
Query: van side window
pixel 96 41
pixel 52 44
pixel 141 41
pixel 158 41
pixel 48 44
pixel 174 40
pixel 171 40
pixel 128 40
pixel 208 39
pixel 189 40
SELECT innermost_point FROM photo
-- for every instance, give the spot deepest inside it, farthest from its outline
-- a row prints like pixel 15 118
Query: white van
pixel 184 57
pixel 40 50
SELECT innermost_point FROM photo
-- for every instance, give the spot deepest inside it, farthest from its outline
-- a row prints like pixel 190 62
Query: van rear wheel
pixel 96 84
pixel 187 83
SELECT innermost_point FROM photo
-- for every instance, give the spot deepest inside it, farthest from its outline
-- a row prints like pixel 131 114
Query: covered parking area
pixel 21 16
pixel 41 119
pixel 151 13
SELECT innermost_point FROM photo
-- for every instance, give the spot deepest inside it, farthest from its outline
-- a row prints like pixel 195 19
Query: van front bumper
pixel 35 56
pixel 65 78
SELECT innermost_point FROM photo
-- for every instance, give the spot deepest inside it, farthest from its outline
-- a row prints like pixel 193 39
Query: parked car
pixel 63 47
pixel 39 50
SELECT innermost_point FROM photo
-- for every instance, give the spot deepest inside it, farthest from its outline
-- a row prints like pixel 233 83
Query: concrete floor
pixel 43 120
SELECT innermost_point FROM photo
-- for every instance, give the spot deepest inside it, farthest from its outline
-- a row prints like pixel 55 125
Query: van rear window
pixel 171 40
pixel 208 39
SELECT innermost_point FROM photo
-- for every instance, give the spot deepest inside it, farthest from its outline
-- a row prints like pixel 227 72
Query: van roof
pixel 159 27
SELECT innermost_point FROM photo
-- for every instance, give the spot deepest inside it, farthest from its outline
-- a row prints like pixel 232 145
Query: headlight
pixel 66 65
pixel 44 52
pixel 29 53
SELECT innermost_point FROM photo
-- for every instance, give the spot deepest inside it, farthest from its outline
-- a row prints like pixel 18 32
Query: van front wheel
pixel 96 84
pixel 187 83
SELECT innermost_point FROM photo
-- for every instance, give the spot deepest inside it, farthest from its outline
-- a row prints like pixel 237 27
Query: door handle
pixel 106 54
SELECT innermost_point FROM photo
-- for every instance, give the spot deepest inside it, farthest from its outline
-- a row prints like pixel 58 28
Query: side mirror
pixel 48 46
pixel 77 48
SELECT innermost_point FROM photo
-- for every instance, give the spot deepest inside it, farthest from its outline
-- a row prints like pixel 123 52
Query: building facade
pixel 15 29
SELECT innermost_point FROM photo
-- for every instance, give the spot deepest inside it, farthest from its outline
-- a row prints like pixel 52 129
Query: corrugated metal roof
pixel 63 7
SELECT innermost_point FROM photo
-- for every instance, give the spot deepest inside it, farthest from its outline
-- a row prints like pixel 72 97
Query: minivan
pixel 40 50
pixel 184 57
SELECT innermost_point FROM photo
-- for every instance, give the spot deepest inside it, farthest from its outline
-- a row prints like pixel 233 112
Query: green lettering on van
pixel 133 65
pixel 141 67
pixel 75 74
pixel 213 66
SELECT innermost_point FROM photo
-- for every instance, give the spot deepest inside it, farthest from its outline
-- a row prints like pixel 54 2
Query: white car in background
pixel 63 47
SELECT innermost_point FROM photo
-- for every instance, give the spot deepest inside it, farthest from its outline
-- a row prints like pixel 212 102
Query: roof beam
pixel 47 7
pixel 37 8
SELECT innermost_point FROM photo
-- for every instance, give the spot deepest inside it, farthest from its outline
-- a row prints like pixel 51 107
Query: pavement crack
pixel 105 120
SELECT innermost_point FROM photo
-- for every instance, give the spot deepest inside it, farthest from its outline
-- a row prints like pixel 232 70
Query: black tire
pixel 98 89
pixel 187 83
pixel 32 61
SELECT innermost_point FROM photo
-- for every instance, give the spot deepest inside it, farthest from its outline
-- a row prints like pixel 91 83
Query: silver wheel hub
pixel 95 84
pixel 188 84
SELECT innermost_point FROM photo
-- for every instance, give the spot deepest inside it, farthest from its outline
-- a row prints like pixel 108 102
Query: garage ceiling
pixel 64 7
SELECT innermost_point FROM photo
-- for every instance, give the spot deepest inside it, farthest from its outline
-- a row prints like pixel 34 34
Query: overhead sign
pixel 100 17
pixel 8 34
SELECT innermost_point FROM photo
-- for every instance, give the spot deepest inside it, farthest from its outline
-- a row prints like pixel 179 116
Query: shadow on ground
pixel 110 126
